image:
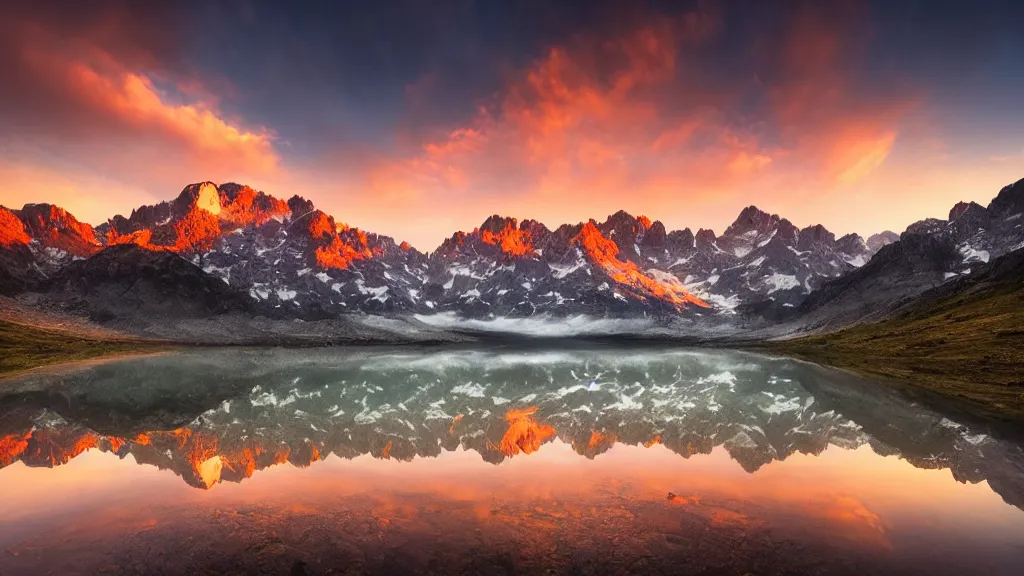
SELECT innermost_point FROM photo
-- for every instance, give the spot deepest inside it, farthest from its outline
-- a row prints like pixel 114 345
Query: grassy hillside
pixel 25 347
pixel 968 346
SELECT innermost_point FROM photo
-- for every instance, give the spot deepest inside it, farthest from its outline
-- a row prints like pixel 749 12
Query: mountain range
pixel 229 251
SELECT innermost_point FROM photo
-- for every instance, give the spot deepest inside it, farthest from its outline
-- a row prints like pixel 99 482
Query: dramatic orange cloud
pixel 821 114
pixel 103 117
pixel 857 153
pixel 585 120
pixel 132 99
pixel 602 124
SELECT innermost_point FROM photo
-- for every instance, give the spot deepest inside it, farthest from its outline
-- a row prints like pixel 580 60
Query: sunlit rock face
pixel 603 252
pixel 56 229
pixel 507 236
pixel 36 242
pixel 12 229
pixel 196 220
pixel 17 273
pixel 236 413
pixel 208 198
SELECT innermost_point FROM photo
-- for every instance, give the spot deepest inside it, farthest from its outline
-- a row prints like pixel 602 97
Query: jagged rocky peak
pixel 962 208
pixel 55 228
pixel 12 229
pixel 625 221
pixel 1010 199
pixel 196 218
pixel 562 235
pixel 851 244
pixel 967 218
pixel 335 245
pixel 495 224
pixel 37 241
pixel 118 227
pixel 242 205
pixel 876 241
pixel 680 240
pixel 787 232
pixel 656 235
pixel 41 218
pixel 752 218
pixel 539 232
pixel 319 224
pixel 202 195
pixel 926 226
pixel 603 252
pixel 234 204
pixel 452 244
pixel 705 239
pixel 626 230
pixel 188 223
pixel 233 190
pixel 534 227
pixel 815 235
pixel 499 236
pixel 752 229
pixel 589 231
pixel 504 234
pixel 299 206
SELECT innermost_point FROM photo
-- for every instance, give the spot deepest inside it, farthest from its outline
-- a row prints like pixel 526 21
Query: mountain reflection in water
pixel 500 461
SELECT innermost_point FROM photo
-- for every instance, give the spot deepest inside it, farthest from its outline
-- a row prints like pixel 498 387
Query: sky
pixel 416 119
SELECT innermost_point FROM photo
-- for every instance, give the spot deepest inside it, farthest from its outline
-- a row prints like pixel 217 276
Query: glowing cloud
pixel 99 118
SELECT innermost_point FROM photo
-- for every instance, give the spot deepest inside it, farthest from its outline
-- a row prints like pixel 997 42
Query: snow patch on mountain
pixel 777 282
pixel 561 271
pixel 857 261
pixel 971 254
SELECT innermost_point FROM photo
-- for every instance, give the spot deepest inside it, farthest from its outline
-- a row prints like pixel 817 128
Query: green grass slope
pixel 964 341
pixel 23 347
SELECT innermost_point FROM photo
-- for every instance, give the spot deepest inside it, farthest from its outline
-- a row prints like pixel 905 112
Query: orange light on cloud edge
pixel 559 143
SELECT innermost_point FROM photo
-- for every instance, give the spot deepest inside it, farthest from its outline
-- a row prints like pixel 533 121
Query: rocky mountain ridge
pixel 288 259
pixel 291 257
pixel 928 254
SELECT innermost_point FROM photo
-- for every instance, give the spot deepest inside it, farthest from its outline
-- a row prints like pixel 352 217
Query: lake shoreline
pixel 28 349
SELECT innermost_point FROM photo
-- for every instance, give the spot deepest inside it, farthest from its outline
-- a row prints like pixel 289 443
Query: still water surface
pixel 498 461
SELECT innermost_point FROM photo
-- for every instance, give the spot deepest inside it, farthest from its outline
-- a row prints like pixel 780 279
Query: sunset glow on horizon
pixel 446 114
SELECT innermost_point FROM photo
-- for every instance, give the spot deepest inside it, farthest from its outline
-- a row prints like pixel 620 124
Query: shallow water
pixel 506 460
